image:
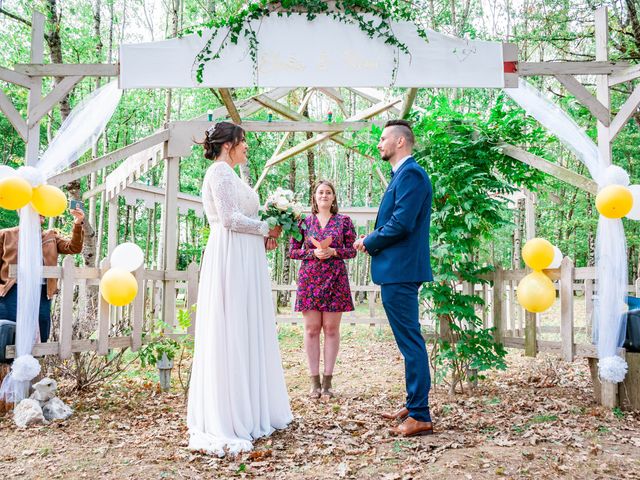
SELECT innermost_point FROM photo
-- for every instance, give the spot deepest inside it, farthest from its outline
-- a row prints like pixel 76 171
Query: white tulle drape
pixel 76 135
pixel 611 250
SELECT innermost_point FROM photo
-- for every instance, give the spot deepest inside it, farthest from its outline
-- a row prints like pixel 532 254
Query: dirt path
pixel 536 420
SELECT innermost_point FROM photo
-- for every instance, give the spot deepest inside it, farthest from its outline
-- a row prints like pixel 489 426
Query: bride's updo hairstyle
pixel 220 134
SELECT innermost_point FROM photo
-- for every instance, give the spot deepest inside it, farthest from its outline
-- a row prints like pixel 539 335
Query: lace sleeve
pixel 224 193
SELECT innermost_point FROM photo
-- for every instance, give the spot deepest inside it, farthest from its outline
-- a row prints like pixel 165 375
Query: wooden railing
pixel 120 327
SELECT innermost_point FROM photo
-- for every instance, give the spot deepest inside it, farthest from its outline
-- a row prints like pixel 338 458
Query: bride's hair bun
pixel 220 134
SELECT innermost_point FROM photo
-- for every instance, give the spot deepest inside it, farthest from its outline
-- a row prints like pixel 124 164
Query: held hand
pixel 359 245
pixel 324 253
pixel 78 215
pixel 275 232
pixel 270 243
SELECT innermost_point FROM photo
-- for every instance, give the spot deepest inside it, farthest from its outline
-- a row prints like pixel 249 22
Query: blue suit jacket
pixel 399 245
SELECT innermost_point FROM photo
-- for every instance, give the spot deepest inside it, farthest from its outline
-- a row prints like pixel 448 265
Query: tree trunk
pixel 174 6
pixel 287 262
pixel 591 238
pixel 311 160
pixel 517 235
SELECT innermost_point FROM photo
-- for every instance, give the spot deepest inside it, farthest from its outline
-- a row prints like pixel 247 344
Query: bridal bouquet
pixel 282 209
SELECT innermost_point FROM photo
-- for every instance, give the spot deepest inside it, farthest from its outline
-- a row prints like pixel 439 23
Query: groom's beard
pixel 385 156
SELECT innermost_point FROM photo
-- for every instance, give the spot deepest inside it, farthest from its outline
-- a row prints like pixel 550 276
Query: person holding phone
pixel 53 244
pixel 323 282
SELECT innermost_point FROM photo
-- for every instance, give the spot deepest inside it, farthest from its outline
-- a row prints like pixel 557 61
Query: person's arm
pixel 1 245
pixel 297 250
pixel 410 194
pixel 349 236
pixel 224 194
pixel 74 244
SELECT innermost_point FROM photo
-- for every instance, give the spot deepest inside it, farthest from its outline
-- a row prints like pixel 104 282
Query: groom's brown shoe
pixel 412 427
pixel 399 414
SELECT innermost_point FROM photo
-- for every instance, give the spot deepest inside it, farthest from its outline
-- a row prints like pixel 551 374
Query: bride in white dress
pixel 237 391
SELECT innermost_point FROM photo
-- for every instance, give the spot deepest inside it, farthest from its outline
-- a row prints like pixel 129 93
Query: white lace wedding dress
pixel 237 391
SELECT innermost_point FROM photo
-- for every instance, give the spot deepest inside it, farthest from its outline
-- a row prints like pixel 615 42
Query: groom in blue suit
pixel 399 249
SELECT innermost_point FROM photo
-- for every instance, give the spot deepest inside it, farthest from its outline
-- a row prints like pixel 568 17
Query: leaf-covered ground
pixel 536 420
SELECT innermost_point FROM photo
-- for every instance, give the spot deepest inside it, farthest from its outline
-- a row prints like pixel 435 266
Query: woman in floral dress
pixel 323 283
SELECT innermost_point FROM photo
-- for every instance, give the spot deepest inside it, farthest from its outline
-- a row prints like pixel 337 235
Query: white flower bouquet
pixel 281 208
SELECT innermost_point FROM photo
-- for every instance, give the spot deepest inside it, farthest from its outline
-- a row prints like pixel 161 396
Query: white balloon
pixel 127 256
pixel 634 214
pixel 6 171
pixel 557 258
pixel 615 175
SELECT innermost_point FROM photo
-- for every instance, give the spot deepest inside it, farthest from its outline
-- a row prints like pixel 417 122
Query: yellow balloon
pixel 538 253
pixel 49 201
pixel 536 292
pixel 118 287
pixel 614 201
pixel 15 193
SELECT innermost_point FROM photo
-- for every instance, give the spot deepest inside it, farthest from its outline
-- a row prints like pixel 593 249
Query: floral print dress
pixel 323 285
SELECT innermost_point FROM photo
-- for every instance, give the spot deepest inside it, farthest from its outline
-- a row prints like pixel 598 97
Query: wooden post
pixel 588 305
pixel 629 390
pixel 66 310
pixel 609 392
pixel 530 338
pixel 530 319
pixel 112 229
pixel 602 81
pixel 193 271
pixel 172 167
pixel 512 308
pixel 104 321
pixel 138 311
pixel 566 309
pixel 35 92
pixel 371 302
pixel 487 303
pixel 498 302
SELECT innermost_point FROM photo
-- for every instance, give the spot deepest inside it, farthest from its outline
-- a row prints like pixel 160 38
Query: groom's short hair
pixel 402 128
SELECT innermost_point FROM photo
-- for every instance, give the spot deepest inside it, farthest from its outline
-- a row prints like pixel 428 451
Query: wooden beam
pixel 292 114
pixel 368 113
pixel 409 98
pixel 14 77
pixel 6 106
pixel 230 106
pixel 150 195
pixel 571 68
pixel 561 173
pixel 626 111
pixel 335 95
pixel 32 150
pixel 373 97
pixel 510 54
pixel 247 106
pixel 106 160
pixel 585 97
pixel 285 137
pixel 332 93
pixel 626 75
pixel 47 103
pixel 65 70
pixel 602 83
pixel 93 192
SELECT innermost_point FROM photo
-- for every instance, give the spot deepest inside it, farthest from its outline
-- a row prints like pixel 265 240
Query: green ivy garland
pixel 352 12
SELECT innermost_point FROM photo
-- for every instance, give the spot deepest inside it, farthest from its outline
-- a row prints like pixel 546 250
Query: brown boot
pixel 315 386
pixel 326 386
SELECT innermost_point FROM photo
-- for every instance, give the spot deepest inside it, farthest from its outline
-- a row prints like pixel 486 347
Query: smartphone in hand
pixel 74 204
